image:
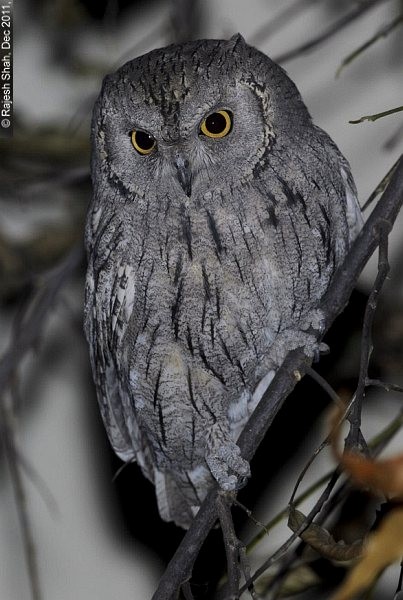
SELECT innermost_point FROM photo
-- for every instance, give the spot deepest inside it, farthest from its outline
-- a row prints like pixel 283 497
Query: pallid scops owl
pixel 218 218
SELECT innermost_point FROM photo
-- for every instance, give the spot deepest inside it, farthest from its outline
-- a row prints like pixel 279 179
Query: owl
pixel 220 213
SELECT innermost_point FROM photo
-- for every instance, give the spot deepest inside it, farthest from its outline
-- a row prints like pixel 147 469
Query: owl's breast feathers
pixel 185 310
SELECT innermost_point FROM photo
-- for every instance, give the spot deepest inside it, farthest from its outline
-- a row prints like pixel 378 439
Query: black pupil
pixel 216 123
pixel 144 140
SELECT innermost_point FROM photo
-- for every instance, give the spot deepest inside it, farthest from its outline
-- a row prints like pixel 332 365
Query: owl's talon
pixel 242 481
pixel 229 484
pixel 223 456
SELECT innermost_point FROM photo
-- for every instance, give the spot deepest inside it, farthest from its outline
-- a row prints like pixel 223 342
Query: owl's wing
pixel 354 215
pixel 105 309
pixel 336 159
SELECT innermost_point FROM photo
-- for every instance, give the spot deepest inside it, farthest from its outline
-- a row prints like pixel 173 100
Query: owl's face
pixel 187 121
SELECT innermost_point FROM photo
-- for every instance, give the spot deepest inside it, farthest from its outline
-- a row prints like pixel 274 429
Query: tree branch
pixel 355 440
pixel 30 329
pixel 377 116
pixel 358 11
pixel 380 34
pixel 282 18
pixel 24 335
pixel 7 419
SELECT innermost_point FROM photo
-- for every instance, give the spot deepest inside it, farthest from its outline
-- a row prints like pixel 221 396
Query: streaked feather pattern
pixel 193 301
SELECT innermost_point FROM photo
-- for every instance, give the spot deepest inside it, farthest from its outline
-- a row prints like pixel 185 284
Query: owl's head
pixel 193 117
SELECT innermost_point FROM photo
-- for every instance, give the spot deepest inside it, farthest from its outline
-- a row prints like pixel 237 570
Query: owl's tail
pixel 180 494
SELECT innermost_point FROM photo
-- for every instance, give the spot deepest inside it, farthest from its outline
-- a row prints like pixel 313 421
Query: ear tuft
pixel 237 41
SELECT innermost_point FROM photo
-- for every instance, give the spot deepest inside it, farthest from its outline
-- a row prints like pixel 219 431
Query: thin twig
pixel 328 33
pixel 394 139
pixel 24 335
pixel 388 387
pixel 280 552
pixel 400 582
pixel 282 18
pixel 8 434
pixel 231 544
pixel 284 513
pixel 180 566
pixel 42 488
pixel 380 34
pixel 275 584
pixel 246 570
pixel 382 185
pixel 237 561
pixel 381 440
pixel 29 333
pixel 325 385
pixel 318 450
pixel 377 116
pixel 39 483
pixel 354 438
pixel 187 591
pixel 249 513
pixel 376 444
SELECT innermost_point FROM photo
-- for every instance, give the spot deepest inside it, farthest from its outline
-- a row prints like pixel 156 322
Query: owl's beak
pixel 184 174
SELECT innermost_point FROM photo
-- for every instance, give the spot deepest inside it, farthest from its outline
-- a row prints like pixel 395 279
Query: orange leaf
pixel 384 475
pixel 382 548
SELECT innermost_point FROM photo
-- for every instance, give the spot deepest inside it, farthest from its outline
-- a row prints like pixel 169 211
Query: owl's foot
pixel 301 336
pixel 291 339
pixel 317 321
pixel 224 460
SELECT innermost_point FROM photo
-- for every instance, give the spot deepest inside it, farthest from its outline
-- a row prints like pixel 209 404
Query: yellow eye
pixel 217 125
pixel 143 142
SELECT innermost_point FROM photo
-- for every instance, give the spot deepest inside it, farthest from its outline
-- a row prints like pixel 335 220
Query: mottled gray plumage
pixel 207 258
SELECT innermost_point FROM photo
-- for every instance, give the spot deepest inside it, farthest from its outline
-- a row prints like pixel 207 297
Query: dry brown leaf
pixel 322 541
pixel 383 547
pixel 384 475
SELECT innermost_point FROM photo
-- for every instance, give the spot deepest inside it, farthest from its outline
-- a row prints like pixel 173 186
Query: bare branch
pixel 399 584
pixel 280 552
pixel 380 188
pixel 25 333
pixel 377 444
pixel 377 116
pixel 187 592
pixel 388 387
pixel 354 439
pixel 30 330
pixel 327 34
pixel 323 384
pixel 380 34
pixel 283 18
pixel 394 139
pixel 237 561
pixel 10 450
pixel 231 545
